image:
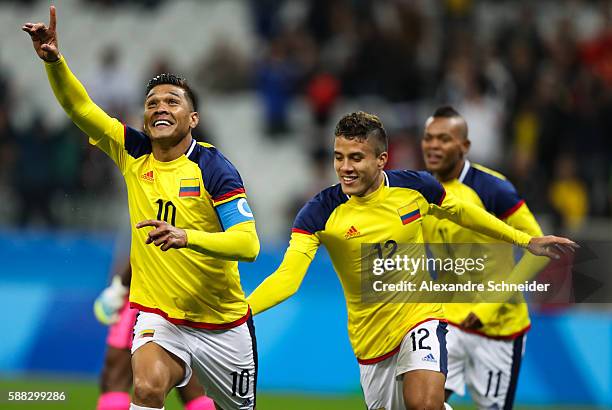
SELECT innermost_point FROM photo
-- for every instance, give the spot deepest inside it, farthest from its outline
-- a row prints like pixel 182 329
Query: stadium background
pixel 533 79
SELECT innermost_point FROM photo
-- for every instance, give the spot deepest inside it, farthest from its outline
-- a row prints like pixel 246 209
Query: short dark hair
pixel 172 79
pixel 446 111
pixel 362 126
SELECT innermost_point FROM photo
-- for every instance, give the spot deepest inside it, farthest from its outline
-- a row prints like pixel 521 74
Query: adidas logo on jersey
pixel 148 176
pixel 351 233
pixel 430 358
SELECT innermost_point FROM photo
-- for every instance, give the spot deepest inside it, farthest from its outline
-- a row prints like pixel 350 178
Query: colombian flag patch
pixel 147 333
pixel 409 213
pixel 189 187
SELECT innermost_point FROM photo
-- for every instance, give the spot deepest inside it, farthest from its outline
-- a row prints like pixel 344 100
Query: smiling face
pixel 358 167
pixel 444 146
pixel 169 114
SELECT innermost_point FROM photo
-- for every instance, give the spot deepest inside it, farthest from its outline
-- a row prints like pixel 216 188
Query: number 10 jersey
pixel 200 190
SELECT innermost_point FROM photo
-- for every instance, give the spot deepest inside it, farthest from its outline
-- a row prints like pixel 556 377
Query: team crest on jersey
pixel 409 213
pixel 189 187
pixel 148 176
pixel 352 233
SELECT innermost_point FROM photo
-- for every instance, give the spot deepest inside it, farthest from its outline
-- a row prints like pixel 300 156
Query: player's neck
pixel 169 152
pixel 453 173
pixel 375 186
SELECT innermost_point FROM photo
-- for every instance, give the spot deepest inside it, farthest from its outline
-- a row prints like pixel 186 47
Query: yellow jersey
pixel 394 212
pixel 200 192
pixel 491 191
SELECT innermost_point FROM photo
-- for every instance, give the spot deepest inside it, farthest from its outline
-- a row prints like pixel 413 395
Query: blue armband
pixel 234 212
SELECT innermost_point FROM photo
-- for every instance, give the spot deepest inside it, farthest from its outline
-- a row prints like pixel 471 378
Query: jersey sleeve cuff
pixel 523 239
pixel 56 62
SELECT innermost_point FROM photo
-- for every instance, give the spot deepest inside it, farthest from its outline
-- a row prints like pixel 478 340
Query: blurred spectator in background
pixel 32 175
pixel 8 134
pixel 112 86
pixel 8 153
pixel 162 63
pixel 404 150
pixel 8 138
pixel 568 194
pixel 322 92
pixel 318 173
pixel 223 70
pixel 533 79
pixel 276 82
pixel 114 89
pixel 264 13
pixel 468 88
pixel 67 158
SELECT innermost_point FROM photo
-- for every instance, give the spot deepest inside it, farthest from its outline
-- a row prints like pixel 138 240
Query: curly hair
pixel 362 126
pixel 172 79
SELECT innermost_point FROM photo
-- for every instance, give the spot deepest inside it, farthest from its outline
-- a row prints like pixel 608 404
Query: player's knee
pixel 424 401
pixel 149 391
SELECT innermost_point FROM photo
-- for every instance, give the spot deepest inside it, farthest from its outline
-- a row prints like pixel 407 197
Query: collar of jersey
pixel 174 162
pixel 464 171
pixel 375 196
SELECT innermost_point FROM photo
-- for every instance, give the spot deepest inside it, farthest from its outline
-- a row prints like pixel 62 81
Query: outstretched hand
pixel 44 38
pixel 551 246
pixel 164 235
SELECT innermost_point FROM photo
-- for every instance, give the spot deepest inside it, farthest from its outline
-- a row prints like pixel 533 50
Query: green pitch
pixel 82 395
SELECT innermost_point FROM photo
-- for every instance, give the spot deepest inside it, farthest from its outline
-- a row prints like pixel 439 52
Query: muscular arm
pixel 239 242
pixel 475 218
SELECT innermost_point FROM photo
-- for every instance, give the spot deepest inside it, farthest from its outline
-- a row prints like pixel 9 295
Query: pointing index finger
pixel 148 222
pixel 52 19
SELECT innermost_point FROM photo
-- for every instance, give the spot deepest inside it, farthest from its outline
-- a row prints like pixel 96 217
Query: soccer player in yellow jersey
pixel 369 206
pixel 486 340
pixel 191 224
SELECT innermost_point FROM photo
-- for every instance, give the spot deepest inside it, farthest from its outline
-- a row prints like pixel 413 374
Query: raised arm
pixel 69 92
